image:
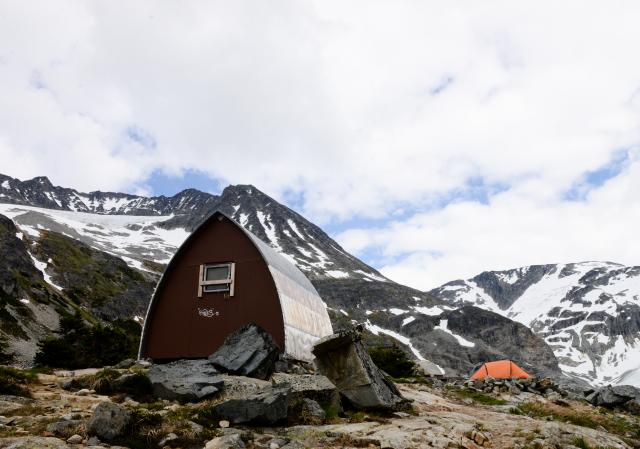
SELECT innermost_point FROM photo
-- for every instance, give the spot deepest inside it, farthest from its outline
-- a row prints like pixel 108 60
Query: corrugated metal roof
pixel 304 313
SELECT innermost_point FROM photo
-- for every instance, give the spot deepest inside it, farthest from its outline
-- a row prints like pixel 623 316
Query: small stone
pixel 195 427
pixel 480 438
pixel 93 441
pixel 126 363
pixel 274 446
pixel 84 392
pixel 169 437
pixel 401 414
pixel 224 424
pixel 233 441
pixel 109 421
pixel 312 412
pixel 74 439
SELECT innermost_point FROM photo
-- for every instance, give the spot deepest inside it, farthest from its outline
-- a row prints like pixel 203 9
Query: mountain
pixel 56 224
pixel 589 313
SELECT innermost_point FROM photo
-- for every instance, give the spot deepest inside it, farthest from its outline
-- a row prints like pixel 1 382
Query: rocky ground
pixel 440 415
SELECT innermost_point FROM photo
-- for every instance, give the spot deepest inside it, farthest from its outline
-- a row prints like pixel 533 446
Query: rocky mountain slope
pixel 145 232
pixel 589 313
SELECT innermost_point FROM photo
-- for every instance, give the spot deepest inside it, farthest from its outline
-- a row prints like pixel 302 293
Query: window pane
pixel 215 288
pixel 217 273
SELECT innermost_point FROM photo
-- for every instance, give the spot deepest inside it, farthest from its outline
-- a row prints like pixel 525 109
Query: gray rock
pixel 610 396
pixel 74 439
pixel 125 364
pixel 109 421
pixel 33 443
pixel 84 392
pixel 63 427
pixel 311 386
pixel 268 406
pixel 250 351
pixel 168 437
pixel 10 403
pixel 344 360
pixel 233 441
pixel 69 383
pixel 290 366
pixel 93 441
pixel 185 380
pixel 312 411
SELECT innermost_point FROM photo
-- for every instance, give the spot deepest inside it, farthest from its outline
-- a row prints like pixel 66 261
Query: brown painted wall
pixel 175 329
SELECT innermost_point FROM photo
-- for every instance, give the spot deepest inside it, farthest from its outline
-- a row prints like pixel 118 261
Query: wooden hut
pixel 222 278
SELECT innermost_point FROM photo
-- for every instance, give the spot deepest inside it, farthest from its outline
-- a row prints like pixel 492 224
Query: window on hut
pixel 216 278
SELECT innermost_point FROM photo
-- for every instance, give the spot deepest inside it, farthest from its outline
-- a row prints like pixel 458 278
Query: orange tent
pixel 502 369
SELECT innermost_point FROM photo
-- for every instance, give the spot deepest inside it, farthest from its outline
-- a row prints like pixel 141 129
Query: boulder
pixel 310 386
pixel 428 368
pixel 9 403
pixel 233 441
pixel 240 386
pixel 611 396
pixel 250 351
pixel 64 427
pixel 268 407
pixel 344 360
pixel 185 380
pixel 109 421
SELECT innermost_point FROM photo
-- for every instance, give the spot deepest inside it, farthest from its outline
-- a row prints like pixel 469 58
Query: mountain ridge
pixel 456 339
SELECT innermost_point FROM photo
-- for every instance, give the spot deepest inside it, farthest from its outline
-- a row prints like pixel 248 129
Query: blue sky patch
pixel 168 185
pixel 593 179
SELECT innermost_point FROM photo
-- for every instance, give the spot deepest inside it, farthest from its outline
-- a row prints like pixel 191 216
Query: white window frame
pixel 229 281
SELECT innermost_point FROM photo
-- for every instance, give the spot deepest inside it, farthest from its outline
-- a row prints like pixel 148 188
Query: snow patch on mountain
pixel 377 330
pixel 134 238
pixel 443 326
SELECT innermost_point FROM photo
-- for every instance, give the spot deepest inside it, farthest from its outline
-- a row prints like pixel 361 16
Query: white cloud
pixel 360 107
pixel 515 229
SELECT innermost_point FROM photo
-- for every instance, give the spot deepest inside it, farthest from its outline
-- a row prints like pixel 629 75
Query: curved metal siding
pixel 304 313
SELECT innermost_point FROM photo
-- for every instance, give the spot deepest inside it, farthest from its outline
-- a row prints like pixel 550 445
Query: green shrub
pixel 581 443
pixel 477 397
pixel 80 346
pixel 392 360
pixel 14 382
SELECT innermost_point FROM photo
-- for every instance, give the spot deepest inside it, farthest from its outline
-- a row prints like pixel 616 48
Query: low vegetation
pixel 476 396
pixel 82 346
pixel 626 426
pixel 392 360
pixel 90 278
pixel 15 382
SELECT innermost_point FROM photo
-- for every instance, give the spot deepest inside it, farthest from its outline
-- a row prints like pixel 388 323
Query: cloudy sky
pixel 433 139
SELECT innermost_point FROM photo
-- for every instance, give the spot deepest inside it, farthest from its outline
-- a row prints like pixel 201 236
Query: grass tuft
pixel 14 382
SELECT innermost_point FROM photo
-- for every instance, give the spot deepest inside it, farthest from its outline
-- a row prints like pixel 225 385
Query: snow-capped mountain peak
pixel 588 312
